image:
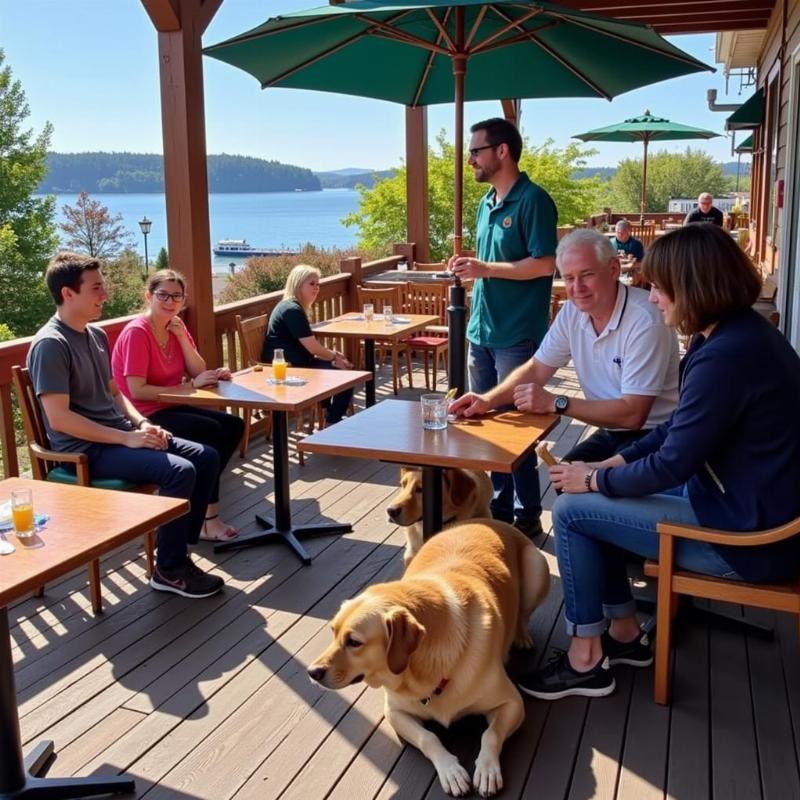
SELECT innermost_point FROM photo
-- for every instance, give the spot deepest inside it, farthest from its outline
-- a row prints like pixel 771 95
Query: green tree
pixel 90 228
pixel 668 175
pixel 162 259
pixel 27 233
pixel 123 279
pixel 381 216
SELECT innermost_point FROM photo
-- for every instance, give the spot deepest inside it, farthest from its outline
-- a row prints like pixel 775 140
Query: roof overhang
pixel 738 49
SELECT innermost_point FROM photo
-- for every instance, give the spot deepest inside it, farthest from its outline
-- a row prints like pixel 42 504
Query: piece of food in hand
pixel 543 451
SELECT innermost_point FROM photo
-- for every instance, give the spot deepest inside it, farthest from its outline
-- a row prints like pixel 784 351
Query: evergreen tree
pixel 162 259
pixel 27 233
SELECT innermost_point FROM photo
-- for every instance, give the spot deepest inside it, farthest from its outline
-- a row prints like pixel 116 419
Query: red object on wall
pixel 779 193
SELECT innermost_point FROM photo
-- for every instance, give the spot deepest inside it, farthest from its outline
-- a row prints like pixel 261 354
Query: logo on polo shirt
pixel 507 222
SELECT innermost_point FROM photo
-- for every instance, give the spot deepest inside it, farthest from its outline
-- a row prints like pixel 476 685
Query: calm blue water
pixel 278 220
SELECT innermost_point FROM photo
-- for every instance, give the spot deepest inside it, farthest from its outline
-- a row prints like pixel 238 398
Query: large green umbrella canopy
pixel 418 52
pixel 645 129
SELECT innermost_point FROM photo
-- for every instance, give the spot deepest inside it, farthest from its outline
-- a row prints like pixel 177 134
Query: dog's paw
pixel 453 777
pixel 523 640
pixel 488 779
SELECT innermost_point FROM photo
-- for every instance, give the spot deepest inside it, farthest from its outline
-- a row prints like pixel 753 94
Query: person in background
pixel 85 412
pixel 625 242
pixel 155 351
pixel 728 458
pixel 625 358
pixel 705 211
pixel 513 275
pixel 290 329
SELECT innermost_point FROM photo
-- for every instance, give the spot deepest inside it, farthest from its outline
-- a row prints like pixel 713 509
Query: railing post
pixel 408 250
pixel 9 443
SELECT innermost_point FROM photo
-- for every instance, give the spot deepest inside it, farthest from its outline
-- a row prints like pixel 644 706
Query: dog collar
pixel 436 692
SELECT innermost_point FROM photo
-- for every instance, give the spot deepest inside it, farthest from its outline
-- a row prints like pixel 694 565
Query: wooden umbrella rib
pixel 428 65
pixel 411 41
pixel 443 34
pixel 511 25
pixel 394 33
pixel 473 31
pixel 522 36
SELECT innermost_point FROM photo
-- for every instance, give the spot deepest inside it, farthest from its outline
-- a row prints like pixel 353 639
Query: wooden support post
pixel 417 213
pixel 180 25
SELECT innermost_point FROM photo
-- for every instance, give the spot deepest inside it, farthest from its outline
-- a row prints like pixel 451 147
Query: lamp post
pixel 144 225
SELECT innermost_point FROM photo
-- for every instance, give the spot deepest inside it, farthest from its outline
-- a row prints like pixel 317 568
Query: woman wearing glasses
pixel 155 351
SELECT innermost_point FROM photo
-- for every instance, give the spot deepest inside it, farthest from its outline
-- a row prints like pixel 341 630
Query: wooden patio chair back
pixel 646 233
pixel 46 465
pixel 432 343
pixel 430 266
pixel 251 337
pixel 427 298
pixel 391 296
pixel 673 582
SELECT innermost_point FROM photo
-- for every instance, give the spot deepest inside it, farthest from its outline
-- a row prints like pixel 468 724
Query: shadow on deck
pixel 210 699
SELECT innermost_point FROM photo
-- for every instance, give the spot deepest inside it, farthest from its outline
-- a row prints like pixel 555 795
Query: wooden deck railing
pixel 337 295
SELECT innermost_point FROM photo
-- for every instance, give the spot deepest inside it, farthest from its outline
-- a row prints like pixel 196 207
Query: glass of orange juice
pixel 278 366
pixel 22 512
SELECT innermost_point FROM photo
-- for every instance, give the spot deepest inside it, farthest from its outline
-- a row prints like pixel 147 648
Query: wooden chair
pixel 645 233
pixel 392 296
pixel 672 583
pixel 46 466
pixel 251 340
pixel 430 266
pixel 427 298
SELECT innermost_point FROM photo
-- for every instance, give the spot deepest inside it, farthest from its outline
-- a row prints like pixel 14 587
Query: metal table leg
pixel 431 501
pixel 369 365
pixel 282 530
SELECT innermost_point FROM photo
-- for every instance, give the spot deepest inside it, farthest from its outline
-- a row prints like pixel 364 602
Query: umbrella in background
pixel 424 52
pixel 645 129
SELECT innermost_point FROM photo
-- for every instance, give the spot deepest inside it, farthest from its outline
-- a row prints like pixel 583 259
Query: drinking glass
pixel 402 266
pixel 434 411
pixel 22 512
pixel 278 366
pixel 369 311
pixel 387 315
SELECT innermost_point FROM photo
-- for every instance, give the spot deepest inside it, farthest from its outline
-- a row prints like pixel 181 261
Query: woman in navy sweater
pixel 728 458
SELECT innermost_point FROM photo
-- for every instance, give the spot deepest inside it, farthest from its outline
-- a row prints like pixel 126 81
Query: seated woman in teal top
pixel 290 329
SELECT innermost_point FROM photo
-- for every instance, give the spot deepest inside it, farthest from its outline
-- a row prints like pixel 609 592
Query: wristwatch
pixel 561 403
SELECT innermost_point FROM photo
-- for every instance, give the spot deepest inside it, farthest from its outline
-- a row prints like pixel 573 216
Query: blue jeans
pixel 336 406
pixel 186 470
pixel 594 533
pixel 516 495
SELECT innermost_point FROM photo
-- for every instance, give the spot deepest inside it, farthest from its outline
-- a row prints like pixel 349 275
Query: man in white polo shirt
pixel 625 358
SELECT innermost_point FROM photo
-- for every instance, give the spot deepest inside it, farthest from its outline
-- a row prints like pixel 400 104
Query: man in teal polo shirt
pixel 513 274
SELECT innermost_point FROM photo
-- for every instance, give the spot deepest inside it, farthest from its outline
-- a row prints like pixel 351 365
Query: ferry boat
pixel 239 248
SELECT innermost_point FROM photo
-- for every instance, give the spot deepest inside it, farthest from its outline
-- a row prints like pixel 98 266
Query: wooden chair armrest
pixel 437 329
pixel 714 536
pixel 53 455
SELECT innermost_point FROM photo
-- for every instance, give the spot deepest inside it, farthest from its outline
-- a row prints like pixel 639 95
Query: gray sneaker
pixel 187 581
pixel 637 653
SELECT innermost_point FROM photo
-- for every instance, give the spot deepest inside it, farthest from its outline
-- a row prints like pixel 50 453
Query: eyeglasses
pixel 473 151
pixel 176 297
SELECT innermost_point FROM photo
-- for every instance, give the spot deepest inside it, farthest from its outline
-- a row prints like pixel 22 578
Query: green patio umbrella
pixel 419 53
pixel 645 129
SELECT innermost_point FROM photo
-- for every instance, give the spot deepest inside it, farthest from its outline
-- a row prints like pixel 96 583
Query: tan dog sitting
pixel 436 642
pixel 466 494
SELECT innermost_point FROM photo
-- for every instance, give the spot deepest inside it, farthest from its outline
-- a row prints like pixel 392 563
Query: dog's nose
pixel 393 512
pixel 316 673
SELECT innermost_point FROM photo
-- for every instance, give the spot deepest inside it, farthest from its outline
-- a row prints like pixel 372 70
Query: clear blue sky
pixel 91 68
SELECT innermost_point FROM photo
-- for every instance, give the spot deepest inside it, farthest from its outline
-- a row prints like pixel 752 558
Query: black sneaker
pixel 558 679
pixel 530 527
pixel 637 653
pixel 187 581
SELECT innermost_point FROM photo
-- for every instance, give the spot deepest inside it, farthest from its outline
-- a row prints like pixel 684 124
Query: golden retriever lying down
pixel 466 494
pixel 437 640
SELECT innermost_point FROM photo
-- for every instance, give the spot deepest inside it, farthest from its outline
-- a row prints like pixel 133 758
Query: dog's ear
pixel 404 635
pixel 460 486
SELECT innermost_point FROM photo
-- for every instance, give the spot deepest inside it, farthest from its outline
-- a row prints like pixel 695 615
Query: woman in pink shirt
pixel 155 351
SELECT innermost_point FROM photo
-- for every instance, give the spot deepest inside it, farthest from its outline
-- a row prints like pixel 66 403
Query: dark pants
pixel 603 444
pixel 186 470
pixel 215 429
pixel 336 406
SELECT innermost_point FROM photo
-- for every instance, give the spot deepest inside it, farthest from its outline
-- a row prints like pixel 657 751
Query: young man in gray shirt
pixel 70 368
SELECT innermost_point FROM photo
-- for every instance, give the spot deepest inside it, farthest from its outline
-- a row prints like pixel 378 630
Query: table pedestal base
pixel 290 537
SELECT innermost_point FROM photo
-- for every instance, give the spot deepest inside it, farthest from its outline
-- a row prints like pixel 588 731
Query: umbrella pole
pixel 643 201
pixel 457 310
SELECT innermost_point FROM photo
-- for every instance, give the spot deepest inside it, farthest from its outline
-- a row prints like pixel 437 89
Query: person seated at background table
pixel 84 411
pixel 290 329
pixel 728 458
pixel 154 352
pixel 705 211
pixel 625 242
pixel 625 358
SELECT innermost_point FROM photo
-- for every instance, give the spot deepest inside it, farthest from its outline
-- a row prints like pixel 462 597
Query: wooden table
pixel 84 524
pixel 354 326
pixel 251 389
pixel 392 431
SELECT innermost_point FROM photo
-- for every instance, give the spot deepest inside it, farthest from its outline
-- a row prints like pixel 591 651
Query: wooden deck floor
pixel 209 699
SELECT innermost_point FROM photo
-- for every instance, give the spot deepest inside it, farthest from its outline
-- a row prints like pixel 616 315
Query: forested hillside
pixel 144 172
